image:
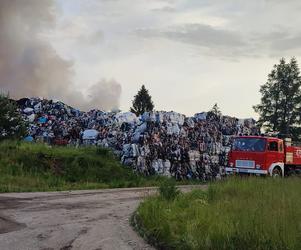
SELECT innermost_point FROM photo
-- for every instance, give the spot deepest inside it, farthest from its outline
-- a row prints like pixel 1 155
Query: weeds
pixel 250 213
pixel 168 190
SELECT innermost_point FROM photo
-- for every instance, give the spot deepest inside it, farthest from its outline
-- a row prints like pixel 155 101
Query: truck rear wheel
pixel 277 172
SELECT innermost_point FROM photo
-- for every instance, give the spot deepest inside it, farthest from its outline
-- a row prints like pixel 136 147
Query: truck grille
pixel 245 164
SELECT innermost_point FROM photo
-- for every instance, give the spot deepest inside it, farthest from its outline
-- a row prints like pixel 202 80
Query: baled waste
pixel 164 143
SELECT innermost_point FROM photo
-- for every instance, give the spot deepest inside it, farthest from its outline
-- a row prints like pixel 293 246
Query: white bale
pixel 201 116
pixel 175 118
pixel 175 129
pixel 38 107
pixel 90 134
pixel 127 117
pixel 28 110
pixel 31 117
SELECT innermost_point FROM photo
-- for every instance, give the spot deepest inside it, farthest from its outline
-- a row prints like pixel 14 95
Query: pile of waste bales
pixel 164 143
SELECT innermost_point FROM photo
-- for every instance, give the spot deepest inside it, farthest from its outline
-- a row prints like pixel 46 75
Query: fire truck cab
pixel 263 156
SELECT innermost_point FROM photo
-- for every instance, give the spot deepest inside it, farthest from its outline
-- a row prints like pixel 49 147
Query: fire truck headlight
pixel 257 166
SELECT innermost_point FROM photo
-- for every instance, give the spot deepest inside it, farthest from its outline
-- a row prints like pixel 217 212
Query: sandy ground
pixel 71 220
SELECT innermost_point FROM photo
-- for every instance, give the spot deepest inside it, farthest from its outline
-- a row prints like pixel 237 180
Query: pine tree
pixel 142 102
pixel 216 110
pixel 214 113
pixel 280 107
pixel 12 125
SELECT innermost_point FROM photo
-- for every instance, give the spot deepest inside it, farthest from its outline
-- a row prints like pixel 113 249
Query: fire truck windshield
pixel 249 144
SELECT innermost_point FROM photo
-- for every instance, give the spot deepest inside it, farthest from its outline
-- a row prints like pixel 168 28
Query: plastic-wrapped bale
pixel 28 110
pixel 200 116
pixel 90 134
pixel 31 118
pixel 103 143
pixel 141 164
pixel 173 129
pixel 42 119
pixel 140 129
pixel 148 117
pixel 126 117
pixel 38 107
pixel 144 117
pixel 194 157
pixel 129 154
pixel 166 168
pixel 240 122
pixel 126 151
pixel 169 129
pixel 175 118
pixel 214 159
pixel 159 116
pixel 158 166
pixel 190 122
pixel 135 150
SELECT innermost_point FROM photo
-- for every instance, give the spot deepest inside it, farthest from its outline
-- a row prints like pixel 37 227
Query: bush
pixel 11 123
pixel 168 189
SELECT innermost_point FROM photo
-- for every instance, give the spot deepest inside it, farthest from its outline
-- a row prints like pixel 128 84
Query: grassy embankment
pixel 250 213
pixel 36 167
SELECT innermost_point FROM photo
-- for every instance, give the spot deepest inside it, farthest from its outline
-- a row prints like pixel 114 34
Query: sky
pixel 189 54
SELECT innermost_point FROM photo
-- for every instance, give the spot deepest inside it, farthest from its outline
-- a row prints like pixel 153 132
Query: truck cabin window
pixel 280 147
pixel 273 146
pixel 249 144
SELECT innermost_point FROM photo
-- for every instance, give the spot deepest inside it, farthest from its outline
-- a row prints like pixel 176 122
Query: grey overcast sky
pixel 189 54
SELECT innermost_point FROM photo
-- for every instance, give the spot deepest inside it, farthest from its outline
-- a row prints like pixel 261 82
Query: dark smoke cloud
pixel 29 66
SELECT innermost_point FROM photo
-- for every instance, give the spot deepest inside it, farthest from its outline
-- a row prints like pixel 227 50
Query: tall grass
pixel 38 167
pixel 251 213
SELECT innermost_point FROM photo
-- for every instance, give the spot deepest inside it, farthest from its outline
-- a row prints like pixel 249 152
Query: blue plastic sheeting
pixel 28 139
pixel 43 120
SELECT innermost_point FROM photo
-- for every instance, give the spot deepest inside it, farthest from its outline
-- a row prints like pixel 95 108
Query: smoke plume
pixel 29 66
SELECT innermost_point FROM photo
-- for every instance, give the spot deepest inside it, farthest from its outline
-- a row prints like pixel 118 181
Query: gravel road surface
pixel 95 220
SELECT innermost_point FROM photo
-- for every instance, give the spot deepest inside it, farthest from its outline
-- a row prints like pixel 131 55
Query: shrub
pixel 168 189
pixel 11 122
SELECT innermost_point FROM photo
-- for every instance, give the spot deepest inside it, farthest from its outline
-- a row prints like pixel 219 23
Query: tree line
pixel 279 109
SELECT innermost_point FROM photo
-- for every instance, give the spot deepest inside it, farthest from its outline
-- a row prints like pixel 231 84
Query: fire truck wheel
pixel 276 172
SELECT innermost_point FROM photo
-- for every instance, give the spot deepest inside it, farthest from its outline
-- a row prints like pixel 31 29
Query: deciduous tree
pixel 280 107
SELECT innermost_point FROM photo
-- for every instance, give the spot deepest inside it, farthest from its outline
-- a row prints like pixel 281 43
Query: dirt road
pixel 71 220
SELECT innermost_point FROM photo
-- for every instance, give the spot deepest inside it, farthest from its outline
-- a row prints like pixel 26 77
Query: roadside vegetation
pixel 247 213
pixel 26 167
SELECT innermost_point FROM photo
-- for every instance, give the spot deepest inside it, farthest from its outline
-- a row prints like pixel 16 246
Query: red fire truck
pixel 263 155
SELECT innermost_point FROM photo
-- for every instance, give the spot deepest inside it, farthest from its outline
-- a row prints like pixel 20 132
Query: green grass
pixel 248 213
pixel 26 167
